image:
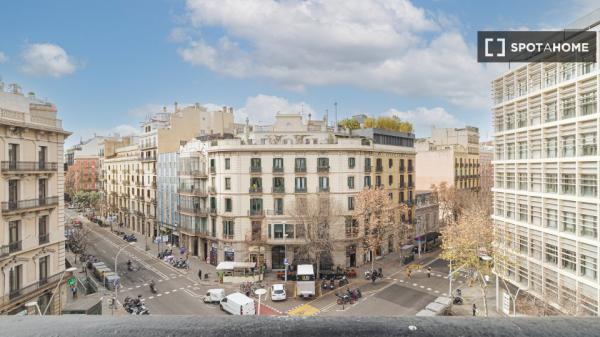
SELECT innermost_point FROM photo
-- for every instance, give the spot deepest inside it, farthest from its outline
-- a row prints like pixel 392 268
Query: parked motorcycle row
pixel 165 253
pixel 135 306
pixel 349 296
pixel 373 274
pixel 329 283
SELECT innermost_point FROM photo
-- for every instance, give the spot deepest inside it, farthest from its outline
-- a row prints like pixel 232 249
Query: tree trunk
pixel 485 306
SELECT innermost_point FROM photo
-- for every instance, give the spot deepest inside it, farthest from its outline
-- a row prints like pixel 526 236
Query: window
pixel 13 156
pixel 255 164
pixel 289 231
pixel 278 185
pixel 587 144
pixel 568 259
pixel 522 211
pixel 367 164
pixel 510 180
pixel 390 163
pixel 278 231
pixel 390 180
pixel 521 118
pixel 228 205
pixel 278 206
pixel 227 163
pixel 15 279
pixel 350 203
pixel 587 103
pixel 551 183
pixel 401 165
pixel 401 197
pixel 351 227
pixel 323 184
pixel 227 183
pixel 44 236
pixel 351 162
pixel 322 164
pixel 567 183
pixel 536 182
pixel 300 184
pixel 228 229
pixel 550 112
pixel 588 185
pixel 351 183
pixel 522 148
pixel 523 181
pixel 14 236
pixel 277 164
pixel 367 181
pixel 300 165
pixel 588 263
pixel 568 107
pixel 551 253
pixel 551 150
pixel 568 146
pixel 567 222
pixel 378 181
pixel 256 206
pixel 589 226
pixel 44 268
pixel 523 244
pixel 551 218
pixel 42 156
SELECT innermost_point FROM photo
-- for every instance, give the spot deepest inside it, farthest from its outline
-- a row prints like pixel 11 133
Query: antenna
pixel 335 127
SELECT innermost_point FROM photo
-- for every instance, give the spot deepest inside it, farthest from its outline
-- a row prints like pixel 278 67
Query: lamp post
pixel 285 259
pixel 116 259
pixel 68 270
pixel 260 292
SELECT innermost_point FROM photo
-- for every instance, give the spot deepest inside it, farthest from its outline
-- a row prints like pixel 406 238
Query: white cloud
pixel 423 119
pixel 46 59
pixel 83 134
pixel 388 45
pixel 261 109
pixel 145 110
pixel 3 57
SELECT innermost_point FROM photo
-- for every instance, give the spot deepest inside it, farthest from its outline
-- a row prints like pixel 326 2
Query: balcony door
pixel 13 156
pixel 13 193
pixel 42 191
pixel 42 157
pixel 15 280
pixel 44 268
pixel 14 236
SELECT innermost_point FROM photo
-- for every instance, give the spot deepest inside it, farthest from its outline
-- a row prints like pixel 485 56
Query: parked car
pixel 238 304
pixel 278 292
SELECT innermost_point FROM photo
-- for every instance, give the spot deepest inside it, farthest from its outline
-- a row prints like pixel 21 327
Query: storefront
pixel 213 253
pixel 229 254
pixel 278 257
pixel 351 256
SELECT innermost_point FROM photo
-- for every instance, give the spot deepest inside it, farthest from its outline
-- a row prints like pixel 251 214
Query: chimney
pixel 197 105
pixel 175 105
pixel 230 110
pixel 164 109
pixel 224 108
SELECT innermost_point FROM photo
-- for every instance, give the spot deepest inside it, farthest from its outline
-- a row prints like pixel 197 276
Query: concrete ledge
pixel 183 326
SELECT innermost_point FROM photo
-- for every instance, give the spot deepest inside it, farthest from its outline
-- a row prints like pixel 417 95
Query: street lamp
pixel 260 292
pixel 68 270
pixel 116 259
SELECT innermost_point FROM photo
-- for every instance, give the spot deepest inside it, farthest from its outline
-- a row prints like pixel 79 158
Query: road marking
pixel 414 284
pixel 303 310
pixel 145 284
pixel 151 297
pixel 160 280
pixel 159 295
pixel 395 279
pixel 443 294
pixel 428 289
pixel 181 288
pixel 436 291
pixel 422 287
pixel 174 290
pixel 167 293
pixel 401 281
pixel 129 288
pixel 139 286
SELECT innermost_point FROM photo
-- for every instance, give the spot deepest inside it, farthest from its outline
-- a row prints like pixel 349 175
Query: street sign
pixel 285 261
pixel 71 281
pixel 506 303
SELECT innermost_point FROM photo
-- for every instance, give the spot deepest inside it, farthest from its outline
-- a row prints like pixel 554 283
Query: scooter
pixel 153 287
pixel 458 300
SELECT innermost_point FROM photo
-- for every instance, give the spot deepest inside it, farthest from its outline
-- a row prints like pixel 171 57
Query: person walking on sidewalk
pixel 200 274
pixel 474 309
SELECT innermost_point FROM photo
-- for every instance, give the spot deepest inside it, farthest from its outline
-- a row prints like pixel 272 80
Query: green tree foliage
pixel 89 199
pixel 387 123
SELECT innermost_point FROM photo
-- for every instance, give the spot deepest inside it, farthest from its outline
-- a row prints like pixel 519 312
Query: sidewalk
pixel 473 295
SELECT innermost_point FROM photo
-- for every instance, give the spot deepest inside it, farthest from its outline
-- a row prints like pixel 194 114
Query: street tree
pixel 378 218
pixel 79 239
pixel 467 242
pixel 313 216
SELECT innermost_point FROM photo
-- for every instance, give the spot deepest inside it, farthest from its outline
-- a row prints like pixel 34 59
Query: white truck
pixel 305 280
pixel 238 304
pixel 214 296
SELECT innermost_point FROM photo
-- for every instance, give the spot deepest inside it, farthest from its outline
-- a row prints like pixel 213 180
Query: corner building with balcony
pixel 238 197
pixel 32 249
pixel 546 169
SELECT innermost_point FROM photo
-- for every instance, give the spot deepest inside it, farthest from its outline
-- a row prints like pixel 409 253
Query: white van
pixel 238 304
pixel 305 280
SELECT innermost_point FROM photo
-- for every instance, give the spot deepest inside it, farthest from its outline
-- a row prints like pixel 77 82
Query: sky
pixel 109 64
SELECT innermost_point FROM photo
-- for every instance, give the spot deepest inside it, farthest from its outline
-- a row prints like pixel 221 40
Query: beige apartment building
pixel 132 189
pixel 32 249
pixel 238 197
pixel 450 155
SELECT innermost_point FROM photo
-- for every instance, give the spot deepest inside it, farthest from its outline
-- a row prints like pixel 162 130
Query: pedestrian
pixel 428 272
pixel 74 290
pixel 200 274
pixel 459 292
pixel 408 272
pixel 474 309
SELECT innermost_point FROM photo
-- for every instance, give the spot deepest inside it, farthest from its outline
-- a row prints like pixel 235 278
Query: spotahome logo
pixel 538 46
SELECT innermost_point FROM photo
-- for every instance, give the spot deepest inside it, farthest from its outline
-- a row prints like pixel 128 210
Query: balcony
pixel 379 168
pixel 212 190
pixel 255 189
pixel 14 247
pixel 300 190
pixel 322 169
pixel 277 169
pixel 256 213
pixel 148 158
pixel 274 212
pixel 278 189
pixel 194 173
pixel 16 294
pixel 410 168
pixel 402 169
pixel 126 182
pixel 195 230
pixel 367 168
pixel 28 166
pixel 213 211
pixel 44 238
pixel 213 170
pixel 324 189
pixel 23 205
pixel 255 169
pixel 300 169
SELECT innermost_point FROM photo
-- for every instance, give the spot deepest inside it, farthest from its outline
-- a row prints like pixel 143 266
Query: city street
pixel 180 291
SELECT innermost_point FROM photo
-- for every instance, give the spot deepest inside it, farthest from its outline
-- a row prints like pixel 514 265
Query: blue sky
pixel 106 64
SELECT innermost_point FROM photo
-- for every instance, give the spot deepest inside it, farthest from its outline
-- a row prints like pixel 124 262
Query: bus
pixel 305 280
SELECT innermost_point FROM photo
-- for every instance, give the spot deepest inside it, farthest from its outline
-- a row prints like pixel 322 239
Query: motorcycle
pixel 135 306
pixel 343 281
pixel 458 300
pixel 153 287
pixel 344 299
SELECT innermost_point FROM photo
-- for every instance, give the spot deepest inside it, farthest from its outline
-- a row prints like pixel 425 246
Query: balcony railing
pixel 367 168
pixel 212 190
pixel 255 189
pixel 213 211
pixel 323 168
pixel 300 169
pixel 275 212
pixel 194 173
pixel 11 206
pixel 255 169
pixel 379 168
pixel 15 294
pixel 149 158
pixel 277 169
pixel 44 238
pixel 278 189
pixel 256 213
pixel 16 166
pixel 323 188
pixel 300 189
pixel 15 246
